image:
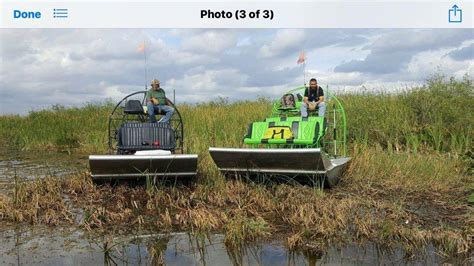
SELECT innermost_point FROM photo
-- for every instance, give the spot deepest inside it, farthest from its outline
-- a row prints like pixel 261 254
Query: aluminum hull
pixel 290 163
pixel 108 167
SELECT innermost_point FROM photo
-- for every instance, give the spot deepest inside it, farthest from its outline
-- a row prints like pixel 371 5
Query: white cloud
pixel 210 41
pixel 209 81
pixel 428 63
pixel 283 41
pixel 246 41
pixel 40 68
pixel 392 50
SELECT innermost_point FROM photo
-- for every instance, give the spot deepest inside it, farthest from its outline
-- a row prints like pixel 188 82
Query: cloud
pixel 462 54
pixel 393 50
pixel 431 62
pixel 209 81
pixel 212 41
pixel 286 40
pixel 43 67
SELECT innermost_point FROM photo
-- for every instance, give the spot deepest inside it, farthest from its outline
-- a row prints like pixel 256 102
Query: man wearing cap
pixel 313 97
pixel 157 103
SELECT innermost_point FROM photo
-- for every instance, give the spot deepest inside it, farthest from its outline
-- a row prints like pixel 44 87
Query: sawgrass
pixel 437 116
pixel 58 128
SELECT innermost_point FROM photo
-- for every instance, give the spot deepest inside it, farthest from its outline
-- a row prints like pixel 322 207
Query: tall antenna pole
pixel 146 67
pixel 302 60
pixel 304 67
pixel 304 72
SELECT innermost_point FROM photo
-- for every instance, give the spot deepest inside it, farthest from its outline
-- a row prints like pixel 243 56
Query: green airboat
pixel 290 147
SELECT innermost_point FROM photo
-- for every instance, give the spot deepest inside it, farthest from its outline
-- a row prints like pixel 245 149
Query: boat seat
pixel 133 107
pixel 287 101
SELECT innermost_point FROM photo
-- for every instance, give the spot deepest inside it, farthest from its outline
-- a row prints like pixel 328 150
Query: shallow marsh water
pixel 42 246
pixel 31 165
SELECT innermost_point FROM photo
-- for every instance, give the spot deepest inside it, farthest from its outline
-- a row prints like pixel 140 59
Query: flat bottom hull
pixel 291 164
pixel 112 167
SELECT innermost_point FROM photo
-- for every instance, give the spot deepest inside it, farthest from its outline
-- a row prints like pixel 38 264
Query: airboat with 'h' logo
pixel 291 147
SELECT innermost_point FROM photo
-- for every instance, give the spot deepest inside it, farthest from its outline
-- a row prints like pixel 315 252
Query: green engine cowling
pixel 306 132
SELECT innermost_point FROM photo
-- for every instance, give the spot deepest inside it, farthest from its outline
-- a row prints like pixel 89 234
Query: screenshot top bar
pixel 233 14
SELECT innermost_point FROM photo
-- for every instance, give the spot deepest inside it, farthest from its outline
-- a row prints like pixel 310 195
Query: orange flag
pixel 141 47
pixel 301 58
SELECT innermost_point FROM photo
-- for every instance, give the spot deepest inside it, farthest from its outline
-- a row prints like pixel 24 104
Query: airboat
pixel 139 149
pixel 290 147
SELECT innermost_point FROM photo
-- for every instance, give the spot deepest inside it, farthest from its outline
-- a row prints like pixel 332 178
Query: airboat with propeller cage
pixel 290 147
pixel 140 149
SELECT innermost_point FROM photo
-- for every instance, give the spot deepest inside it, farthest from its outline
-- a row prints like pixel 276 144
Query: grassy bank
pixel 408 182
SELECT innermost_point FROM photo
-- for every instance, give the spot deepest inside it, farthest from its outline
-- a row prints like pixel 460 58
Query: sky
pixel 72 67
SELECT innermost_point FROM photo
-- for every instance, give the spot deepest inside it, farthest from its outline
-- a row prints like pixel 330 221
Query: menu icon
pixel 60 13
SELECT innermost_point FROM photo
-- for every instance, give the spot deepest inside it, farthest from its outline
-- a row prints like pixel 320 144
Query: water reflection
pixel 31 166
pixel 45 247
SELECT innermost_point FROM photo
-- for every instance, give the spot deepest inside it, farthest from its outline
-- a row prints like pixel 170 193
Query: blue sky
pixel 71 67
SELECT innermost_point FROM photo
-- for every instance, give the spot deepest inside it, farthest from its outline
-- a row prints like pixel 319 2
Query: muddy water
pixel 44 247
pixel 25 245
pixel 29 165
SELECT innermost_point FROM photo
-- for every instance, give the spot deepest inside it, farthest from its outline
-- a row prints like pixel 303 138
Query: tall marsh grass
pixel 438 116
pixel 59 128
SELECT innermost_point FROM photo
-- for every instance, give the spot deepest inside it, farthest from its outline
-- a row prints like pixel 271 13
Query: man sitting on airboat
pixel 157 103
pixel 313 97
